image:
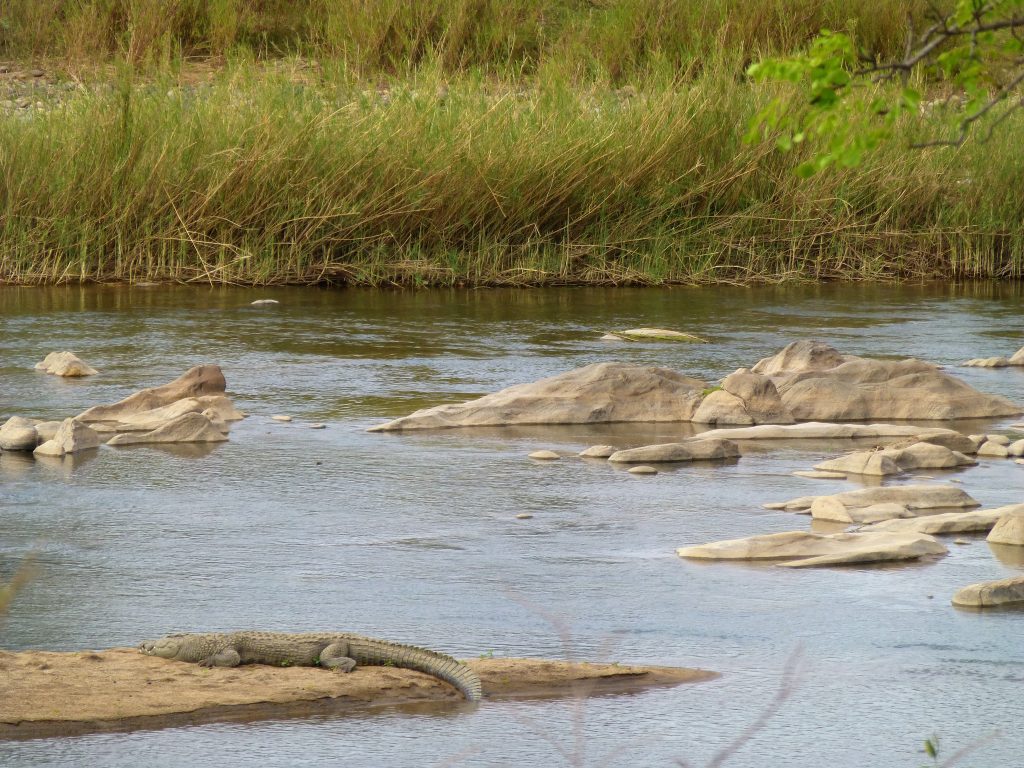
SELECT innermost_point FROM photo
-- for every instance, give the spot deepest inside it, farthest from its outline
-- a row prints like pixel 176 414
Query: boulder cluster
pixel 806 381
pixel 191 409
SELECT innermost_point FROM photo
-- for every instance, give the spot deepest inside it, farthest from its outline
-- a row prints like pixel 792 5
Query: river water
pixel 414 537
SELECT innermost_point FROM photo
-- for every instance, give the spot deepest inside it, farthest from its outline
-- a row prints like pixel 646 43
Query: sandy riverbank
pixel 45 694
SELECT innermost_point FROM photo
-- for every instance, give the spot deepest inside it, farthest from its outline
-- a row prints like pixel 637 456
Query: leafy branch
pixel 849 100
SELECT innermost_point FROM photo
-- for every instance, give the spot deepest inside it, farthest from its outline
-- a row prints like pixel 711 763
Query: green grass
pixel 259 179
pixel 620 39
pixel 464 142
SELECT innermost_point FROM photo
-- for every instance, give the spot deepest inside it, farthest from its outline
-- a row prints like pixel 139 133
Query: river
pixel 414 537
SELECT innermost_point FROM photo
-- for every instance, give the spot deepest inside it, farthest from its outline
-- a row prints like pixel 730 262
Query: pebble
pixel 37 73
pixel 544 455
pixel 1018 461
pixel 524 516
pixel 955 480
pixel 280 417
pixel 922 477
pixel 261 302
pixel 643 469
pixel 961 541
pixel 318 426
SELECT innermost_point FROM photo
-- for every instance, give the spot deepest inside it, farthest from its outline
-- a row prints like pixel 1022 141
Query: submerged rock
pixel 800 549
pixel 818 474
pixel 544 455
pixel 988 594
pixel 196 382
pixel 186 428
pixel 653 334
pixel 18 434
pixel 695 449
pixel 72 436
pixel 642 469
pixel 600 393
pixel 65 364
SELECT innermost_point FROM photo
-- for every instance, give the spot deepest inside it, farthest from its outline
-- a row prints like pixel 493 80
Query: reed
pixel 620 39
pixel 260 178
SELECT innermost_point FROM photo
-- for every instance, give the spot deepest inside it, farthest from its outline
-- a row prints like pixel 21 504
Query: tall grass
pixel 260 179
pixel 617 39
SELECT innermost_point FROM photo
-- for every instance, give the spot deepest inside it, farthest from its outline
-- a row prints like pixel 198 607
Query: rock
pixel 72 436
pixel 827 508
pixel 264 302
pixel 951 439
pixel 986 362
pixel 801 548
pixel 859 390
pixel 598 452
pixel 817 474
pixel 318 426
pixel 800 357
pixel 282 418
pixel 65 364
pixel 600 393
pixel 816 383
pixel 997 439
pixel 745 398
pixel 47 430
pixel 1016 448
pixel 524 516
pixel 187 428
pixel 892 461
pixel 544 455
pixel 971 521
pixel 221 406
pixel 654 334
pixel 862 463
pixel 18 434
pixel 215 407
pixel 994 450
pixel 1017 358
pixel 992 593
pixel 642 469
pixel 1009 529
pixel 910 496
pixel 199 381
pixel 37 73
pixel 962 542
pixel 816 430
pixel 694 449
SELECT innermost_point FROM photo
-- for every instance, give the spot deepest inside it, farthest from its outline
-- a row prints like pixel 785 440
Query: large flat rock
pixel 59 694
pixel 910 496
pixel 990 594
pixel 600 393
pixel 971 521
pixel 695 449
pixel 799 549
pixel 821 430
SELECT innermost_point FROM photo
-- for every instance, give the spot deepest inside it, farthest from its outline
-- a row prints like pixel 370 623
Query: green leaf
pixel 911 99
pixel 806 169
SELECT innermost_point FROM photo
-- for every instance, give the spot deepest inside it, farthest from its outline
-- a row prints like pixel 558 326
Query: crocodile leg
pixel 335 656
pixel 225 657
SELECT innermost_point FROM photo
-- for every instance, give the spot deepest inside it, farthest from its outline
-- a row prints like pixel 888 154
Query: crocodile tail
pixel 440 665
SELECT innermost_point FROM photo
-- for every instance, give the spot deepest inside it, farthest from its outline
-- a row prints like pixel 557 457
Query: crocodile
pixel 340 651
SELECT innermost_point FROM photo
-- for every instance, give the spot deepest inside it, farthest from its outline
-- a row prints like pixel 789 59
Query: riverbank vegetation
pixel 462 142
